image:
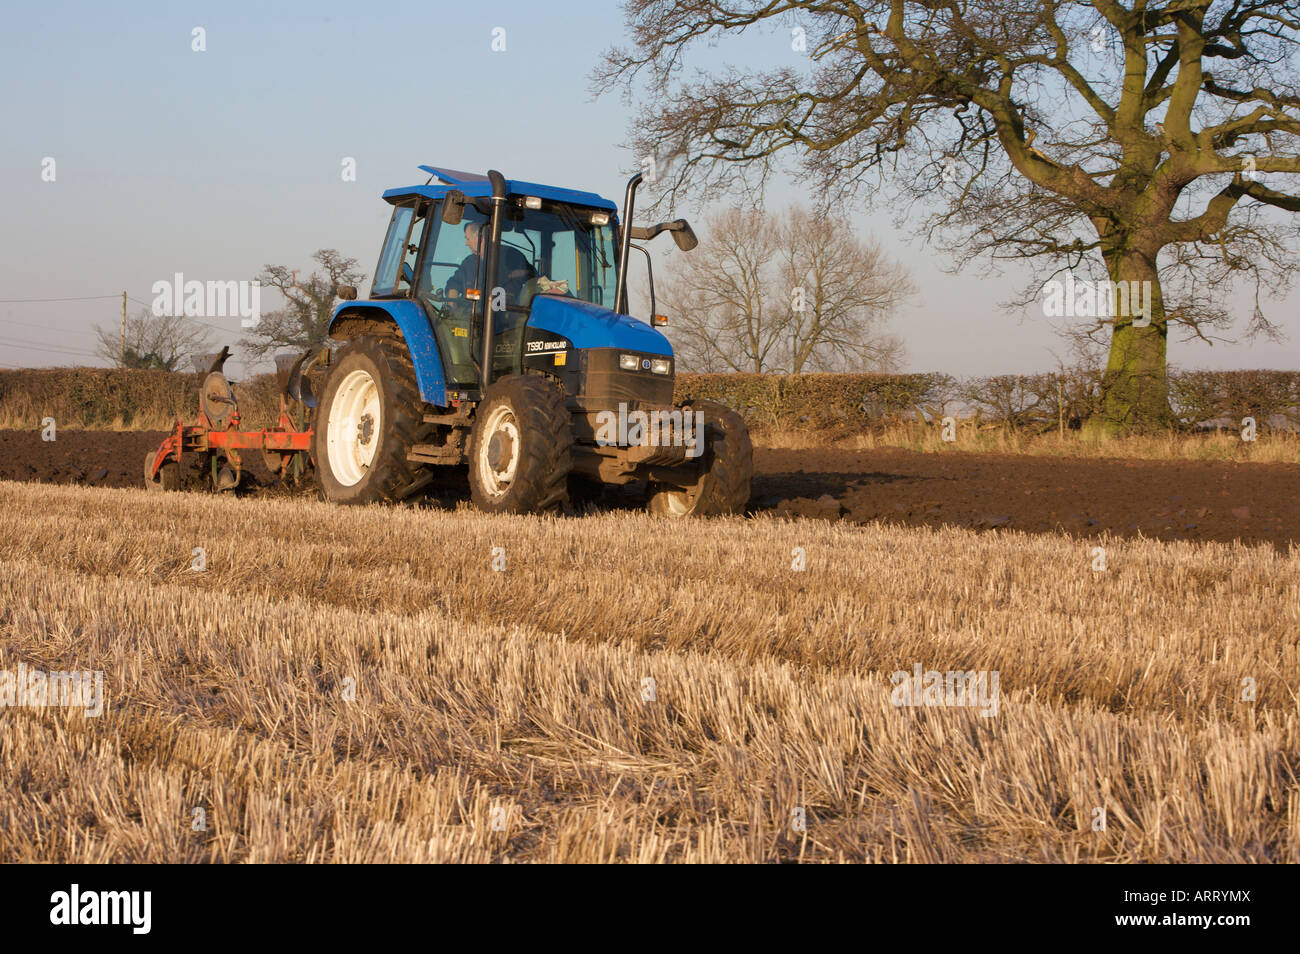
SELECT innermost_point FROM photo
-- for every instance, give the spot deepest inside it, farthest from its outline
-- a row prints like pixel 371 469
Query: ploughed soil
pixel 1170 500
pixel 1167 500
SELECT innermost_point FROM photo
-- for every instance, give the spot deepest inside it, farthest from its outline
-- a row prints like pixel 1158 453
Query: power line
pixel 28 301
pixel 74 352
pixel 28 324
pixel 33 346
pixel 186 317
pixel 22 342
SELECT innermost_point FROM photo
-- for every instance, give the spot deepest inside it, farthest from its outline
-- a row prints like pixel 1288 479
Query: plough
pixel 214 443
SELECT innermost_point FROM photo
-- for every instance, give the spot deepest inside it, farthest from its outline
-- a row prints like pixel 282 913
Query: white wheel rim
pixel 498 453
pixel 352 432
pixel 678 502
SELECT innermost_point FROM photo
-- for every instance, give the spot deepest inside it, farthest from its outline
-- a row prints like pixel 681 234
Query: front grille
pixel 605 385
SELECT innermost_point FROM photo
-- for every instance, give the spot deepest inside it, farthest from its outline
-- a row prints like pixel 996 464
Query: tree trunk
pixel 1135 387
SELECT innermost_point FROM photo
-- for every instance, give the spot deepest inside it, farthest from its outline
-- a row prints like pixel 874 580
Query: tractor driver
pixel 513 265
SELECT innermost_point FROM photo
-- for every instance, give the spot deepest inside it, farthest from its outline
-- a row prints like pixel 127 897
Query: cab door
pixel 451 267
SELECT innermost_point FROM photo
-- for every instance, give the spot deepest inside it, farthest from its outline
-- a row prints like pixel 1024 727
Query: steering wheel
pixel 440 294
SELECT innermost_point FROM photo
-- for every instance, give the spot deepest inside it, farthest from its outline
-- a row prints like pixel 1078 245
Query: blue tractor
pixel 497 335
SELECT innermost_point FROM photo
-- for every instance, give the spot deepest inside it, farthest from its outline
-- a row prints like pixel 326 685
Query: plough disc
pixel 216 400
pixel 168 476
pixel 293 385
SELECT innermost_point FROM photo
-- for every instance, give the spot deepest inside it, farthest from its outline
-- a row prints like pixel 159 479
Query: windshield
pixel 557 249
pixel 553 250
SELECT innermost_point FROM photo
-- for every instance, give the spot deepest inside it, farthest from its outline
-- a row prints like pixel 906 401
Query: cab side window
pixel 386 272
pixel 406 274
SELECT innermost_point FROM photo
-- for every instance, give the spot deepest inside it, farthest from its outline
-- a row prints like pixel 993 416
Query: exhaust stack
pixel 625 250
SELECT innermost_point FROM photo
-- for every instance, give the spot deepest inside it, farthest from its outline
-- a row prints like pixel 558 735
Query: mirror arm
pixel 679 226
pixel 650 274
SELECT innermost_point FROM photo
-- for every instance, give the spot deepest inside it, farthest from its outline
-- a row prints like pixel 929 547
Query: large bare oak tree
pixel 1156 141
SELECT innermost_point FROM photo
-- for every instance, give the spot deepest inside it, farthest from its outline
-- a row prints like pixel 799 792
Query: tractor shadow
pixel 767 491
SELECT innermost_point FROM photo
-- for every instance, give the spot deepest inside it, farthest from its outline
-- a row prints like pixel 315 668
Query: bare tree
pixel 152 341
pixel 784 293
pixel 721 297
pixel 303 323
pixel 1151 140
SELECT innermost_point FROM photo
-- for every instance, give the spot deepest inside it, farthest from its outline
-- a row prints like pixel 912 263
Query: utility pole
pixel 1060 406
pixel 122 359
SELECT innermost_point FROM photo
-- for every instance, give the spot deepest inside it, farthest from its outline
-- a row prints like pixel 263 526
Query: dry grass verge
pixel 1269 446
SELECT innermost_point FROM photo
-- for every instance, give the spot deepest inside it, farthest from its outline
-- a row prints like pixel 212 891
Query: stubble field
pixel 363 685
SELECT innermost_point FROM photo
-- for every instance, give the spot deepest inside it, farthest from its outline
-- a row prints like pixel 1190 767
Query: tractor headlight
pixel 661 366
pixel 629 362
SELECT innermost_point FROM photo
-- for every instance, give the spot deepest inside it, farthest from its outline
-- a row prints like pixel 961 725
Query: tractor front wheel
pixel 368 419
pixel 520 451
pixel 726 466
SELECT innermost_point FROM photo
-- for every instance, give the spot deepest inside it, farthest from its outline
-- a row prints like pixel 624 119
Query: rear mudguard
pixel 414 323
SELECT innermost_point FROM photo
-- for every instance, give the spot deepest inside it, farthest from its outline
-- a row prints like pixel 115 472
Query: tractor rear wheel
pixel 520 451
pixel 367 420
pixel 726 467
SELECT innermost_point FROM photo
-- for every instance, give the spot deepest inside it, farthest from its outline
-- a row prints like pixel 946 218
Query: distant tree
pixel 152 341
pixel 303 322
pixel 789 292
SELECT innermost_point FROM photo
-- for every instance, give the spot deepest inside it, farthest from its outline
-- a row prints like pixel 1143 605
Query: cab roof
pixel 475 186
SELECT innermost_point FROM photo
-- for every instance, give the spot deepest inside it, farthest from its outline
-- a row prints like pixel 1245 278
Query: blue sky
pixel 214 163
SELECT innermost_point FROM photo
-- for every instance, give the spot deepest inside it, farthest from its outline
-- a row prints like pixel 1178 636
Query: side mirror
pixel 453 207
pixel 684 235
pixel 347 292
